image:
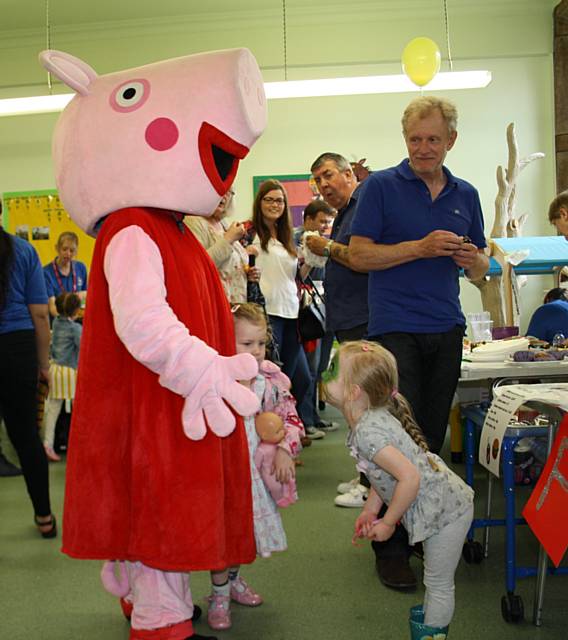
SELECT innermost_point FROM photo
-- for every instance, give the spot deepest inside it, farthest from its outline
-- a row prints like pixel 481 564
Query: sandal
pixel 50 532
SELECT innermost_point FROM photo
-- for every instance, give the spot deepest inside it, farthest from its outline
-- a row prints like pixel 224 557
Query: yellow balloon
pixel 421 60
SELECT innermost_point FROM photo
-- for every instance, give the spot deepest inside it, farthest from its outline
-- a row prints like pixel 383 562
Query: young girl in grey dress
pixel 433 503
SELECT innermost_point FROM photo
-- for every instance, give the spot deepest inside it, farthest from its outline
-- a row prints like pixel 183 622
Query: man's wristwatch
pixel 327 249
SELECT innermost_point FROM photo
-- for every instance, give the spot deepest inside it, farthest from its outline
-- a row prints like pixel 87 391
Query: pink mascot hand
pixel 219 384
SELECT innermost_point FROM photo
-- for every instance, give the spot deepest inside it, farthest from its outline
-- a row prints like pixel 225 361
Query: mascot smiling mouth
pixel 220 156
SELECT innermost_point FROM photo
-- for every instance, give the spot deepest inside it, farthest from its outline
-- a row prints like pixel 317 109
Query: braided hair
pixel 373 368
pixel 6 259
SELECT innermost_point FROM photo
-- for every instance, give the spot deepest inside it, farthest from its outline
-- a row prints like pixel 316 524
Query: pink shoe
pixel 219 614
pixel 50 453
pixel 244 594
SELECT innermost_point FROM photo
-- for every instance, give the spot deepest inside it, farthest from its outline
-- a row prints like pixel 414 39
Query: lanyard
pixel 58 277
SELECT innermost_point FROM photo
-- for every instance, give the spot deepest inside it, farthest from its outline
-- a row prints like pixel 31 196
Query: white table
pixel 496 370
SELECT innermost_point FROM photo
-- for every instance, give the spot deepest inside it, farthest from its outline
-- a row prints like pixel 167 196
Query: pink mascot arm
pixel 154 336
pixel 283 494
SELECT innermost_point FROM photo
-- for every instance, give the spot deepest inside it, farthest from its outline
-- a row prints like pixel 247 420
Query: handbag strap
pixel 309 280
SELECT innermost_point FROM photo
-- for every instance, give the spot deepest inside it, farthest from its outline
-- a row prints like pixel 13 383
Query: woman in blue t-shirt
pixel 64 274
pixel 24 355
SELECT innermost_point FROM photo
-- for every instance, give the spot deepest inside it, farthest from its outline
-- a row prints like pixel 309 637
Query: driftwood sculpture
pixel 499 292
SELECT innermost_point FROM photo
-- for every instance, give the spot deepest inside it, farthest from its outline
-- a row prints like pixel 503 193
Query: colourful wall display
pixel 39 217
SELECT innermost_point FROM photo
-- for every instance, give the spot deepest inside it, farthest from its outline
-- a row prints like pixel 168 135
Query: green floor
pixel 322 587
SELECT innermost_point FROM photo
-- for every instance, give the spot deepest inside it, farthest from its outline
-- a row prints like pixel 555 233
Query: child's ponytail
pixel 401 410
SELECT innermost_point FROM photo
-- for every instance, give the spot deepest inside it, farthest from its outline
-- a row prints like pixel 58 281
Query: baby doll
pixel 270 430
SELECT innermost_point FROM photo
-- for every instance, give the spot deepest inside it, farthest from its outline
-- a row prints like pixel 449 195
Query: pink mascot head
pixel 168 135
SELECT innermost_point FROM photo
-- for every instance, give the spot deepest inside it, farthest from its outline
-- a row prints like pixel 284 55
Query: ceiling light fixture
pixel 37 104
pixel 373 84
pixel 352 86
pixel 34 104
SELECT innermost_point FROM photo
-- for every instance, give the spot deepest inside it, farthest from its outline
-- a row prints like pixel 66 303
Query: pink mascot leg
pixel 162 604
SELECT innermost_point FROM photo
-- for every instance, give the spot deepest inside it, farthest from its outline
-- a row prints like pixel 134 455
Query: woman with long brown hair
pixel 278 263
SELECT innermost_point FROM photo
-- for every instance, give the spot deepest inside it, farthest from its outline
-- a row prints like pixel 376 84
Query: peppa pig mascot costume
pixel 158 475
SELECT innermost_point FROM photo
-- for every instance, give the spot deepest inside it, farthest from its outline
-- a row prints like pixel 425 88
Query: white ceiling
pixel 31 14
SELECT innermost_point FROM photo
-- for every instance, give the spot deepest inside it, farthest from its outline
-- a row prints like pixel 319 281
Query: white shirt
pixel 278 279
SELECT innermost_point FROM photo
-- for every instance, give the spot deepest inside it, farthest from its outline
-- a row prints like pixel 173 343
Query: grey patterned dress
pixel 443 496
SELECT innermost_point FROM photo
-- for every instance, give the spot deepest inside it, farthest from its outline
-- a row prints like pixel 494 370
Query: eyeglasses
pixel 278 201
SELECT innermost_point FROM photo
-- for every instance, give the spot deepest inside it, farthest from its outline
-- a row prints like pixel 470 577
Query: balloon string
pixel 284 30
pixel 48 42
pixel 447 25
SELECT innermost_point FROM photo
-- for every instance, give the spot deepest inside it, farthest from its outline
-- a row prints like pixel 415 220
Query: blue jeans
pixel 292 356
pixel 305 377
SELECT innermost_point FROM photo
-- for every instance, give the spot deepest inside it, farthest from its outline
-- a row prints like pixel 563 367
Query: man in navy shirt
pixel 415 227
pixel 345 287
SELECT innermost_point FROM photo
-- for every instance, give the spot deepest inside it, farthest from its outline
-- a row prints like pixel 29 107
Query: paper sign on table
pixel 506 401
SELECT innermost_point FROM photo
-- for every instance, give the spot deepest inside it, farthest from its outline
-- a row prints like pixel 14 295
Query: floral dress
pixel 231 259
pixel 272 389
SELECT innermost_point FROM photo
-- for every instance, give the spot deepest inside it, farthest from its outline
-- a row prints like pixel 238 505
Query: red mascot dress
pixel 137 487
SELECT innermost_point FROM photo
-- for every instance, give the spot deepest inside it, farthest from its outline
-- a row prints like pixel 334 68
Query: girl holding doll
pixel 273 390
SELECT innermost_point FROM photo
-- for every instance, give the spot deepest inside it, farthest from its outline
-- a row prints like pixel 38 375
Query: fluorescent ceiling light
pixel 291 89
pixel 34 104
pixel 374 84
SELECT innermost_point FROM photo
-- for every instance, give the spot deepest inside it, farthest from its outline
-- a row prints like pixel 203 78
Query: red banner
pixel 546 509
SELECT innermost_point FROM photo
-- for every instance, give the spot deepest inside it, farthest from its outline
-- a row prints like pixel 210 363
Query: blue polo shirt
pixel 78 274
pixel 548 320
pixel 396 206
pixel 27 286
pixel 345 290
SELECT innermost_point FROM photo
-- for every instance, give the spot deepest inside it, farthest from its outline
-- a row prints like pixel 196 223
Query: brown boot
pixel 395 572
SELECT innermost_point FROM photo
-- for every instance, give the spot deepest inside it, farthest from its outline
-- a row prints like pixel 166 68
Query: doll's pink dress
pixel 272 388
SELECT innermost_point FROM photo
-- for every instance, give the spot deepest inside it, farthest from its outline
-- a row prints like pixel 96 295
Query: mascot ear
pixel 70 70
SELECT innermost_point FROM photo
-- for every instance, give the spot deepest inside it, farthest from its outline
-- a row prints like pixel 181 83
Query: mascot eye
pixel 130 95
